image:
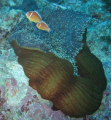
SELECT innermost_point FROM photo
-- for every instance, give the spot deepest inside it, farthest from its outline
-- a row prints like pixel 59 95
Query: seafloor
pixel 18 101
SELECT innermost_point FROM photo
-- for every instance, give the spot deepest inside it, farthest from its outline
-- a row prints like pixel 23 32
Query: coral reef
pixel 55 1
pixel 10 2
pixel 25 6
pixel 8 20
pixel 98 30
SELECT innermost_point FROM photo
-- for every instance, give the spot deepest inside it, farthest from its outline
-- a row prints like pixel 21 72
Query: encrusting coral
pixel 52 77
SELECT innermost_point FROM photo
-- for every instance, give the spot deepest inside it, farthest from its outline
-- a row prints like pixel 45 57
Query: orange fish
pixel 33 16
pixel 43 26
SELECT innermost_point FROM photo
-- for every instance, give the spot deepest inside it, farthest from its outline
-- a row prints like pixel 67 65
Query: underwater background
pixel 67 20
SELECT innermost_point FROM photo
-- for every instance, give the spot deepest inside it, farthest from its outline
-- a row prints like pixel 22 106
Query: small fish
pixel 33 16
pixel 43 26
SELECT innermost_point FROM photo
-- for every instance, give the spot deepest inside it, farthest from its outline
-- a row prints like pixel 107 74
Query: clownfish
pixel 43 26
pixel 33 16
